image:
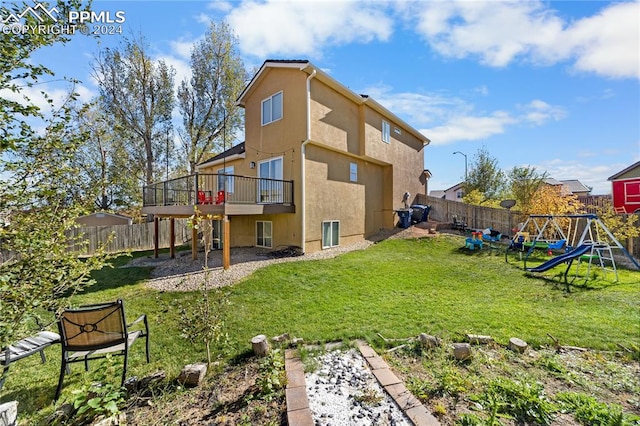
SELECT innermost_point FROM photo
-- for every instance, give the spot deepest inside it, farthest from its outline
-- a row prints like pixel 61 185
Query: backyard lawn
pixel 396 288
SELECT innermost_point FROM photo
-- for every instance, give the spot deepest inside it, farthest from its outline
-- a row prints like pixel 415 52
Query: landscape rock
pixel 476 339
pixel 462 351
pixel 260 345
pixel 517 345
pixel 281 338
pixel 193 374
pixel 429 341
pixel 9 413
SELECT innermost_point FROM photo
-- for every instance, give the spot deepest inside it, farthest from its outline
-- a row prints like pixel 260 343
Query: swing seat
pixel 557 245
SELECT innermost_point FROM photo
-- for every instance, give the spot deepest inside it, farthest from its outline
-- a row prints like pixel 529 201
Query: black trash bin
pixel 420 213
pixel 404 216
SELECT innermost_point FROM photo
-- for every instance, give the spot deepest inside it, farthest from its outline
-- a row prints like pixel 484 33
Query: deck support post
pixel 172 237
pixel 226 243
pixel 156 225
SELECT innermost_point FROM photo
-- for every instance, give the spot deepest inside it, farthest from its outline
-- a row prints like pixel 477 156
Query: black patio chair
pixel 458 225
pixel 93 331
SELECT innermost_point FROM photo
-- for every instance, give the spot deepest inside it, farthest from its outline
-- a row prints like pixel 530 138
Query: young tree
pixel 485 176
pixel 37 269
pixel 550 199
pixel 137 92
pixel 207 100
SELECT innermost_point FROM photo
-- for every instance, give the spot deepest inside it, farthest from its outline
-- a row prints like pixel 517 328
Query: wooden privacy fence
pixel 480 217
pixel 137 236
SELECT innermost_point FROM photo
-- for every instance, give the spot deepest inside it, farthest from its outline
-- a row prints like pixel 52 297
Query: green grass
pixel 397 288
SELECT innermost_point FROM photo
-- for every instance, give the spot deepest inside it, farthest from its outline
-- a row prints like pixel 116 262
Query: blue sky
pixel 553 85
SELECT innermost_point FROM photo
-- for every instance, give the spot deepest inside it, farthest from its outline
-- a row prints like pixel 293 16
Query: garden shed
pixel 626 189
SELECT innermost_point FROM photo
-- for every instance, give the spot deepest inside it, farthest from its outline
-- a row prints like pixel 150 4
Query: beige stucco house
pixel 321 165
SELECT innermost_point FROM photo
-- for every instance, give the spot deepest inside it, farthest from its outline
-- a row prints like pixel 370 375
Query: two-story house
pixel 321 166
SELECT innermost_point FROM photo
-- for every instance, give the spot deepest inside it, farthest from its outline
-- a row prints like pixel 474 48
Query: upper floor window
pixel 386 132
pixel 353 172
pixel 272 108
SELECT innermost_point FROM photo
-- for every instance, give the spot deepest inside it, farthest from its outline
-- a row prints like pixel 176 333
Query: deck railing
pixel 213 188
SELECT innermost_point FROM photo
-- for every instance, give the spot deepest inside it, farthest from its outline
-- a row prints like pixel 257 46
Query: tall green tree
pixel 107 180
pixel 523 183
pixel 137 92
pixel 485 176
pixel 17 71
pixel 207 100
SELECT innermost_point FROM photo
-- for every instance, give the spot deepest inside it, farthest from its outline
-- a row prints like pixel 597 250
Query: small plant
pixel 522 400
pixel 473 420
pixel 552 364
pixel 589 411
pixel 99 398
pixel 422 389
pixel 452 382
pixel 271 378
pixel 369 398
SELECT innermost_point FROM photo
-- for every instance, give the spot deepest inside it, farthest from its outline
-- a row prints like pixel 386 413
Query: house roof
pixel 552 181
pixel 574 185
pixel 454 187
pixel 309 68
pixel 625 171
pixel 437 193
pixel 238 149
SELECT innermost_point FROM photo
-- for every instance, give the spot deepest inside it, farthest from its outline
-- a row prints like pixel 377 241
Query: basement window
pixel 330 233
pixel 264 234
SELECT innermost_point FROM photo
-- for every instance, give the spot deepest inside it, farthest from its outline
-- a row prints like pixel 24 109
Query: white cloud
pixel 591 175
pixel 539 112
pixel 499 33
pixel 448 119
pixel 496 32
pixel 608 44
pixel 469 128
pixel 305 28
pixel 182 48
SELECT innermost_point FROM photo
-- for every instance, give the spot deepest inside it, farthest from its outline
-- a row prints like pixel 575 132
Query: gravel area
pixel 343 391
pixel 185 274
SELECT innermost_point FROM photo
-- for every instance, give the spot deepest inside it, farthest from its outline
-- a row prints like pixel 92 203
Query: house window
pixel 330 234
pixel 386 132
pixel 264 234
pixel 459 194
pixel 221 184
pixel 353 172
pixel 270 189
pixel 272 109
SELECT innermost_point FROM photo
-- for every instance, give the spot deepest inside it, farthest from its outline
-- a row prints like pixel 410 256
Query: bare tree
pixel 138 93
pixel 207 100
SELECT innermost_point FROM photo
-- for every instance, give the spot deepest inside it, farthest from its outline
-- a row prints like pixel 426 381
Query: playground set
pixel 581 237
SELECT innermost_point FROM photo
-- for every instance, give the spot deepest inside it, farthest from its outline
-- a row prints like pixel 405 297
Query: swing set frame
pixel 601 248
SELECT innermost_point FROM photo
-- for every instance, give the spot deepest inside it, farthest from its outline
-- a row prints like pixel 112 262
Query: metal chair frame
pixel 93 331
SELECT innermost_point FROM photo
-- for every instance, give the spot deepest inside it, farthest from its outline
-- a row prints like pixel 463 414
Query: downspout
pixel 303 232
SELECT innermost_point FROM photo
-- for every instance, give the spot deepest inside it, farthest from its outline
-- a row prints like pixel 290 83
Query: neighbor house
pixel 454 193
pixel 103 219
pixel 626 189
pixel 321 166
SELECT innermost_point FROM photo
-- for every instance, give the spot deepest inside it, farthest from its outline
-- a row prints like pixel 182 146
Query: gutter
pixel 303 236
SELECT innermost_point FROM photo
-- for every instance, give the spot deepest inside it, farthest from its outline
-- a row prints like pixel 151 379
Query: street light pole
pixel 465 163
